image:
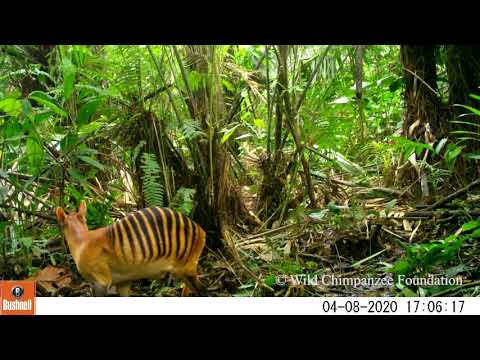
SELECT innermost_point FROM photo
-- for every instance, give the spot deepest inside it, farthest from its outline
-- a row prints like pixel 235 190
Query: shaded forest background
pixel 344 160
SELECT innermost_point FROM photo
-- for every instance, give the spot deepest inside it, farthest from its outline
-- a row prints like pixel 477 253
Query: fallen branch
pixel 400 193
pixel 453 289
pixel 22 176
pixel 439 214
pixel 454 195
pixel 28 212
pixel 269 232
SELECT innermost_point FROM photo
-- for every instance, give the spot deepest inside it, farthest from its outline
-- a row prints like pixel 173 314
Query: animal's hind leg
pixel 99 290
pixel 124 288
pixel 194 284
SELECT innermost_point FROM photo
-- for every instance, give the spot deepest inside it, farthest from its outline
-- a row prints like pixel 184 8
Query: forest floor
pixel 347 249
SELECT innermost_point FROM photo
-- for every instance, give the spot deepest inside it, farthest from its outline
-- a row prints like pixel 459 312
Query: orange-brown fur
pixel 97 260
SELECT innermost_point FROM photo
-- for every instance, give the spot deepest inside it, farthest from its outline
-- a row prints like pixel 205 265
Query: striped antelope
pixel 145 244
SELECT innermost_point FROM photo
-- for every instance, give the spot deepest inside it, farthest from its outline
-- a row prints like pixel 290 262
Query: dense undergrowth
pixel 127 126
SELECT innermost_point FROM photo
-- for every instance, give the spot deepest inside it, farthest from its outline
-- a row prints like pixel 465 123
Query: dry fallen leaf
pixel 406 225
pixel 52 278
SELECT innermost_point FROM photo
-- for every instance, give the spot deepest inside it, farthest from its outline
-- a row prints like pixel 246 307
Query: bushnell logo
pixel 17 297
pixel 17 291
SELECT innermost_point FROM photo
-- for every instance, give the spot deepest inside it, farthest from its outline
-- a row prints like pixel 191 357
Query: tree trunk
pixel 360 50
pixel 463 70
pixel 422 104
pixel 216 193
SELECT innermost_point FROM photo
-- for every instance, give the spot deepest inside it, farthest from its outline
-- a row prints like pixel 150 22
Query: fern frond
pixel 153 189
pixel 191 129
pixel 183 200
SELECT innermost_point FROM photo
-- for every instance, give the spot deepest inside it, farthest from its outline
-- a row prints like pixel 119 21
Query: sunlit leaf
pixel 86 111
pixel 229 133
pixel 69 72
pixel 92 162
pixel 46 100
pixel 34 153
pixel 11 106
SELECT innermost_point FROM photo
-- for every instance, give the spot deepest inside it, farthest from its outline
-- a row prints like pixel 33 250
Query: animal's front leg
pixel 99 290
pixel 102 279
pixel 124 288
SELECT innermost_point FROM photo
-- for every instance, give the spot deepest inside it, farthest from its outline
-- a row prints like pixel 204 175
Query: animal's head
pixel 74 223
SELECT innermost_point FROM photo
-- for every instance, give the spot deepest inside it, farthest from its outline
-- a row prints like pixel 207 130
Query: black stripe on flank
pixel 162 227
pixel 185 235
pixel 109 232
pixel 120 239
pixel 155 230
pixel 189 239
pixel 168 214
pixel 111 236
pixel 130 236
pixel 138 235
pixel 192 240
pixel 177 233
pixel 141 219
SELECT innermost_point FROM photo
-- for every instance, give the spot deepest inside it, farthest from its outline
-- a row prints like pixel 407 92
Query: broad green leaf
pixel 455 270
pixel 92 162
pixel 465 123
pixel 466 138
pixel 41 116
pixel 69 72
pixel 270 280
pixel 75 174
pixel 473 110
pixel 465 132
pixel 471 225
pixel 476 233
pixel 365 84
pixel 26 107
pixel 11 106
pixel 89 128
pixel 27 242
pixel 229 133
pixel 259 123
pixel 453 151
pixel 46 100
pixel 408 293
pixel 440 145
pixel 34 153
pixel 68 142
pixel 228 85
pixel 341 100
pixel 74 192
pixel 86 111
pixel 395 85
pixel 318 215
pixel 474 156
pixel 88 151
pixel 243 136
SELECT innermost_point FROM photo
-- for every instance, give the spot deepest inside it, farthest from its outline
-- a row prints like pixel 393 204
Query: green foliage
pixel 422 259
pixel 69 72
pixel 153 189
pixel 191 130
pixel 409 147
pixel 183 200
pixel 98 213
pixel 451 154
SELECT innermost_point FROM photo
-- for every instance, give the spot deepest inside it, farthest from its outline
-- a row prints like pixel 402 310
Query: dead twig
pixel 28 212
pixel 453 195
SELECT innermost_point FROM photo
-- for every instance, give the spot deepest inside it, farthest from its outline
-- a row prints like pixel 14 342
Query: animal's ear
pixel 82 209
pixel 60 215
